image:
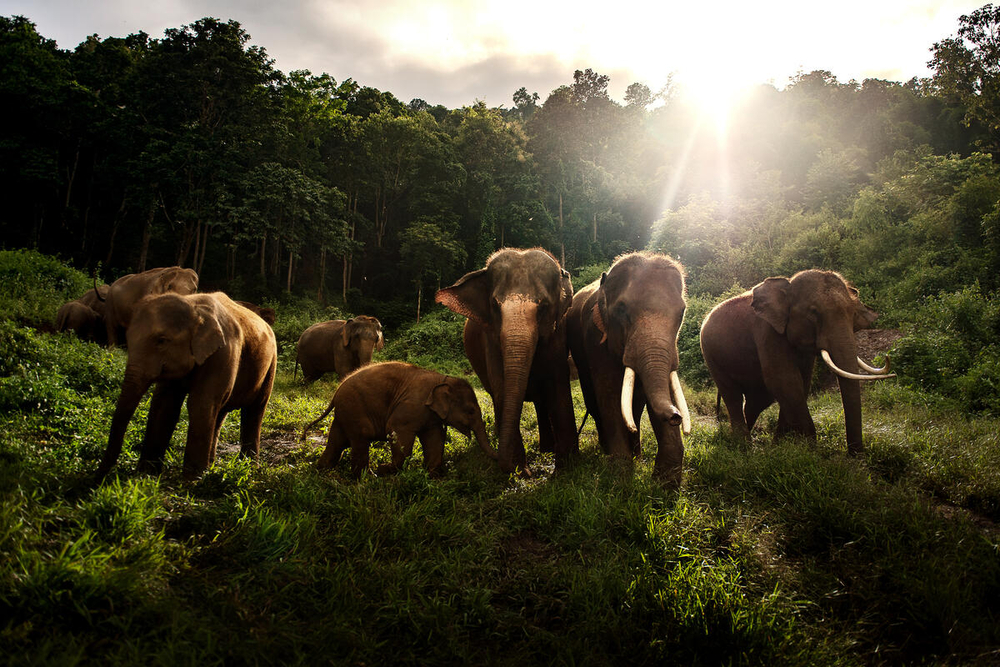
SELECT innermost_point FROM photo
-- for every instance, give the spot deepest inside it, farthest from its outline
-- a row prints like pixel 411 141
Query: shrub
pixel 33 286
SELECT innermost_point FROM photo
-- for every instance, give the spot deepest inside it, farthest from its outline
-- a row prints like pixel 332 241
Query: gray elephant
pixel 399 402
pixel 623 337
pixel 761 347
pixel 125 293
pixel 203 346
pixel 515 338
pixel 342 346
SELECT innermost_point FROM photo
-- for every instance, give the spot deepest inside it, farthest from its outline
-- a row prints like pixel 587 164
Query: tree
pixel 967 69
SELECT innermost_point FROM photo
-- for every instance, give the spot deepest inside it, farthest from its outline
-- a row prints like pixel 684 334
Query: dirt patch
pixel 278 449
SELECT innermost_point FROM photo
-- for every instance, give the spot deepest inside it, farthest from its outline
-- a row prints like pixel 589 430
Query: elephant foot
pixel 670 479
pixel 386 469
pixel 150 467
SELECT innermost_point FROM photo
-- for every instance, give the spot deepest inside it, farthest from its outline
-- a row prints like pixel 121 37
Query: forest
pixel 324 199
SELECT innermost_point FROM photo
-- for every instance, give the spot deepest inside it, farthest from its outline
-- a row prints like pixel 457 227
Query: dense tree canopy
pixel 129 152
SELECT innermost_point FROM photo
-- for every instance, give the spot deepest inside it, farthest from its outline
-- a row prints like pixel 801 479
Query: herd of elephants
pixel 524 328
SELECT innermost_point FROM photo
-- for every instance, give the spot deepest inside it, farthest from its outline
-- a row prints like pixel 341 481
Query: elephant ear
pixel 470 296
pixel 347 331
pixel 208 336
pixel 771 302
pixel 439 400
pixel 380 341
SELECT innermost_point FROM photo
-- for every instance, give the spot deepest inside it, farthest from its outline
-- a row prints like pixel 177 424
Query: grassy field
pixel 771 553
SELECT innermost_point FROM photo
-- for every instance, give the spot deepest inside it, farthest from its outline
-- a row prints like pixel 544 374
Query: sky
pixel 456 52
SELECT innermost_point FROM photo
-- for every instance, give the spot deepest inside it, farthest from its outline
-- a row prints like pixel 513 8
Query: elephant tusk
pixel 675 386
pixel 851 376
pixel 628 388
pixel 875 371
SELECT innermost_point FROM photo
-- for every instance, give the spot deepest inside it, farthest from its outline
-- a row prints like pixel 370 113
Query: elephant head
pixel 519 301
pixel 168 338
pixel 175 279
pixel 640 308
pixel 454 401
pixel 362 335
pixel 818 312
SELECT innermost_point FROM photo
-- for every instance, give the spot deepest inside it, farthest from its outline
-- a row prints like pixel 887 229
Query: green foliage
pixel 434 342
pixel 33 286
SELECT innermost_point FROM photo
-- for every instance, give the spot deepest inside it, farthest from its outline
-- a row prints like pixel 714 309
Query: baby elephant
pixel 396 399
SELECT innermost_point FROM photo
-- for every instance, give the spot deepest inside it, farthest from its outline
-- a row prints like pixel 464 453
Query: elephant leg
pixel 336 443
pixel 616 439
pixel 733 398
pixel 546 436
pixel 202 430
pixel 432 443
pixel 669 453
pixel 402 447
pixel 755 404
pixel 360 456
pixel 251 419
pixel 164 413
pixel 794 417
pixel 563 420
pixel 219 421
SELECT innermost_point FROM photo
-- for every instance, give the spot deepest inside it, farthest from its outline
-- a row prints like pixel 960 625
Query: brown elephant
pixel 761 347
pixel 266 314
pixel 623 336
pixel 125 293
pixel 342 346
pixel 203 346
pixel 515 338
pixel 82 320
pixel 399 402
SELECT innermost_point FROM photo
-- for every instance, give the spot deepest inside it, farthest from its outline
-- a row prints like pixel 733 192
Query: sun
pixel 715 94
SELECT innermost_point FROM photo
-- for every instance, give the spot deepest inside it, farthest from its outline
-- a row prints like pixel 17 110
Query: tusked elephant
pixel 203 346
pixel 761 347
pixel 125 293
pixel 515 338
pixel 623 338
pixel 400 402
pixel 337 345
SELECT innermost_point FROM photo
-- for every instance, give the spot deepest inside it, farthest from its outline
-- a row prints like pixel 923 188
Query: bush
pixel 33 286
pixel 435 342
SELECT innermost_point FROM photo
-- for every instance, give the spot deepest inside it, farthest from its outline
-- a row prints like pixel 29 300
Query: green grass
pixel 771 553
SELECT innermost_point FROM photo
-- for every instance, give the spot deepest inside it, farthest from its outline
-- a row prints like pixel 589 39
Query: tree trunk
pixel 562 246
pixel 263 257
pixel 420 291
pixel 204 247
pixel 147 233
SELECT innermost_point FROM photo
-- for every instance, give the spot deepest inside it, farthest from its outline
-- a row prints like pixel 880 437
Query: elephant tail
pixel 305 431
pixel 97 291
pixel 295 368
pixel 585 415
pixel 718 404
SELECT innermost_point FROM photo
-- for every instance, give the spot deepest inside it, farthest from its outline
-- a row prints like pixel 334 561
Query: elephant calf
pixel 401 400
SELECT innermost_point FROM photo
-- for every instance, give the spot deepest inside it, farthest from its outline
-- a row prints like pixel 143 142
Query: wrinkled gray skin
pixel 515 338
pixel 203 346
pixel 399 402
pixel 125 293
pixel 338 345
pixel 761 347
pixel 630 317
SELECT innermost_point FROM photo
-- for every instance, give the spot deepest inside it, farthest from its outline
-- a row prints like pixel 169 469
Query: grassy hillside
pixel 772 553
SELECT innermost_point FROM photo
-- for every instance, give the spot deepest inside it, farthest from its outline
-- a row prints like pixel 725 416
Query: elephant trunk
pixel 518 339
pixel 133 389
pixel 655 362
pixel 844 356
pixel 484 442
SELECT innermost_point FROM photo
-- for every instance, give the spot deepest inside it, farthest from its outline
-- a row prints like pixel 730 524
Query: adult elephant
pixel 82 320
pixel 761 347
pixel 515 338
pixel 265 313
pixel 342 346
pixel 623 337
pixel 203 346
pixel 125 293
